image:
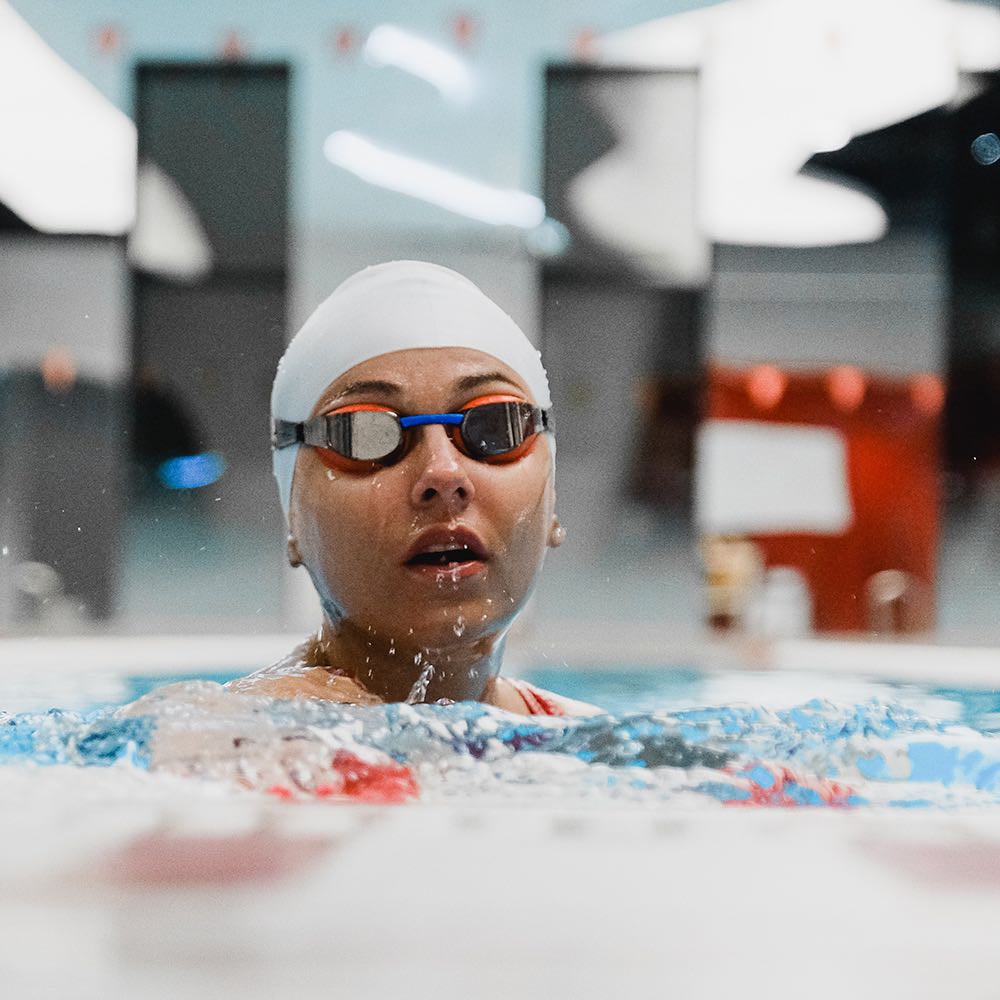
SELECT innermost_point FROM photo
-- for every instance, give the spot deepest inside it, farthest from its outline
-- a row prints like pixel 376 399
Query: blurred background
pixel 756 242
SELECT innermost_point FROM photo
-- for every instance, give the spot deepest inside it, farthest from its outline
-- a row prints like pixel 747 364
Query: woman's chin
pixel 461 629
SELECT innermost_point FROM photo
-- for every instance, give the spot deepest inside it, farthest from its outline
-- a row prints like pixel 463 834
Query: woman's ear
pixel 294 556
pixel 557 534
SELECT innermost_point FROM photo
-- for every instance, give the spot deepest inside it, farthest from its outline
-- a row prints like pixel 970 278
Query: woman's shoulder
pixel 524 698
pixel 297 675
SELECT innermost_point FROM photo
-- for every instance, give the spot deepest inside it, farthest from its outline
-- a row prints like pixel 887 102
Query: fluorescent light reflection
pixel 782 80
pixel 433 184
pixel 69 155
pixel 389 45
pixel 168 238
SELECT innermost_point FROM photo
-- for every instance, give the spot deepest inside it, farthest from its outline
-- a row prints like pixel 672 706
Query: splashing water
pixel 419 690
pixel 814 753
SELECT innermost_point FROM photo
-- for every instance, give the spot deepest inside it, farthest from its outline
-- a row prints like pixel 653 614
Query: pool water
pixel 679 736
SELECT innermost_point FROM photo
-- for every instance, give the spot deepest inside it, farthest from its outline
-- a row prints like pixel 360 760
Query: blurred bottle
pixel 734 570
pixel 898 603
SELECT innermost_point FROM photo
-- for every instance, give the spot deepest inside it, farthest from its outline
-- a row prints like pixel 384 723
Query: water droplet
pixel 330 475
pixel 986 149
pixel 5 551
pixel 459 627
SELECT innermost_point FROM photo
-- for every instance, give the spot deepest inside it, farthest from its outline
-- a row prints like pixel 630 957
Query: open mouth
pixel 444 557
pixel 457 553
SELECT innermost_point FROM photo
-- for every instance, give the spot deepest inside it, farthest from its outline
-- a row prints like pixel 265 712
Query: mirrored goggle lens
pixel 497 428
pixel 365 435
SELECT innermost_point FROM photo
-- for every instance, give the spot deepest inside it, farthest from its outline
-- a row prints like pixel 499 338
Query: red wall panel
pixel 892 430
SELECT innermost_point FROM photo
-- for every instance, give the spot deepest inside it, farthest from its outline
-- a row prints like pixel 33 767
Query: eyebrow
pixel 370 385
pixel 474 381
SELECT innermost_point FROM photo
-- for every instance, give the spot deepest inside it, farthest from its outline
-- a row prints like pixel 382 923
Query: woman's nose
pixel 442 478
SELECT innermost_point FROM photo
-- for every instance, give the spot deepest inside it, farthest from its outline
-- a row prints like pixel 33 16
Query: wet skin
pixel 356 529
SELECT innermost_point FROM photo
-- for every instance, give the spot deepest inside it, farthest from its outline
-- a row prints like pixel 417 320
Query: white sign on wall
pixel 757 478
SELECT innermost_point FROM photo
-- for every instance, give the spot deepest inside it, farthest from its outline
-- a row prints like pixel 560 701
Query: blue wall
pixel 495 139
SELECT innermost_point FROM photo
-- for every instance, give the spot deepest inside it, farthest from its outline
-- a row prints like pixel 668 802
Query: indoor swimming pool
pixel 671 735
pixel 815 828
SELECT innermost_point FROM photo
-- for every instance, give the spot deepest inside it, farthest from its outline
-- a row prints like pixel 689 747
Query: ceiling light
pixel 69 155
pixel 389 45
pixel 431 183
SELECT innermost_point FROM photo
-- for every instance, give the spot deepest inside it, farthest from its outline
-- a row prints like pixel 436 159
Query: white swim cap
pixel 392 307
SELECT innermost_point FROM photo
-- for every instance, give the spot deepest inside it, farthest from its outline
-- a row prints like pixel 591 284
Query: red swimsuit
pixel 538 702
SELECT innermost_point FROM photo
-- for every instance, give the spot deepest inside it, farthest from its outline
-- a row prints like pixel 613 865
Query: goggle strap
pixel 285 433
pixel 319 432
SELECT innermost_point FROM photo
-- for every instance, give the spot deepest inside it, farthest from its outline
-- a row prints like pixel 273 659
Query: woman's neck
pixel 395 671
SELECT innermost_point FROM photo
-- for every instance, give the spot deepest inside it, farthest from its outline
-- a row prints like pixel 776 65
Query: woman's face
pixel 368 535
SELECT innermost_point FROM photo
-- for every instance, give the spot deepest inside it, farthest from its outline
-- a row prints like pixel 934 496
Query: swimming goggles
pixel 370 433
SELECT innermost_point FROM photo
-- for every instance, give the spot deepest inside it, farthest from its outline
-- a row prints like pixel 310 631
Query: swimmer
pixel 413 451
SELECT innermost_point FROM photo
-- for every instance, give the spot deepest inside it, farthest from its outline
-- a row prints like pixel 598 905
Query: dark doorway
pixel 205 350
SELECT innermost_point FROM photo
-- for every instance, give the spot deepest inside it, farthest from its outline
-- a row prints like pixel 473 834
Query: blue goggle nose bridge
pixel 453 419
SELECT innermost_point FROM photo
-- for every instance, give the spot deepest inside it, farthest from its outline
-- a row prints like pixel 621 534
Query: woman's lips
pixel 448 571
pixel 452 553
